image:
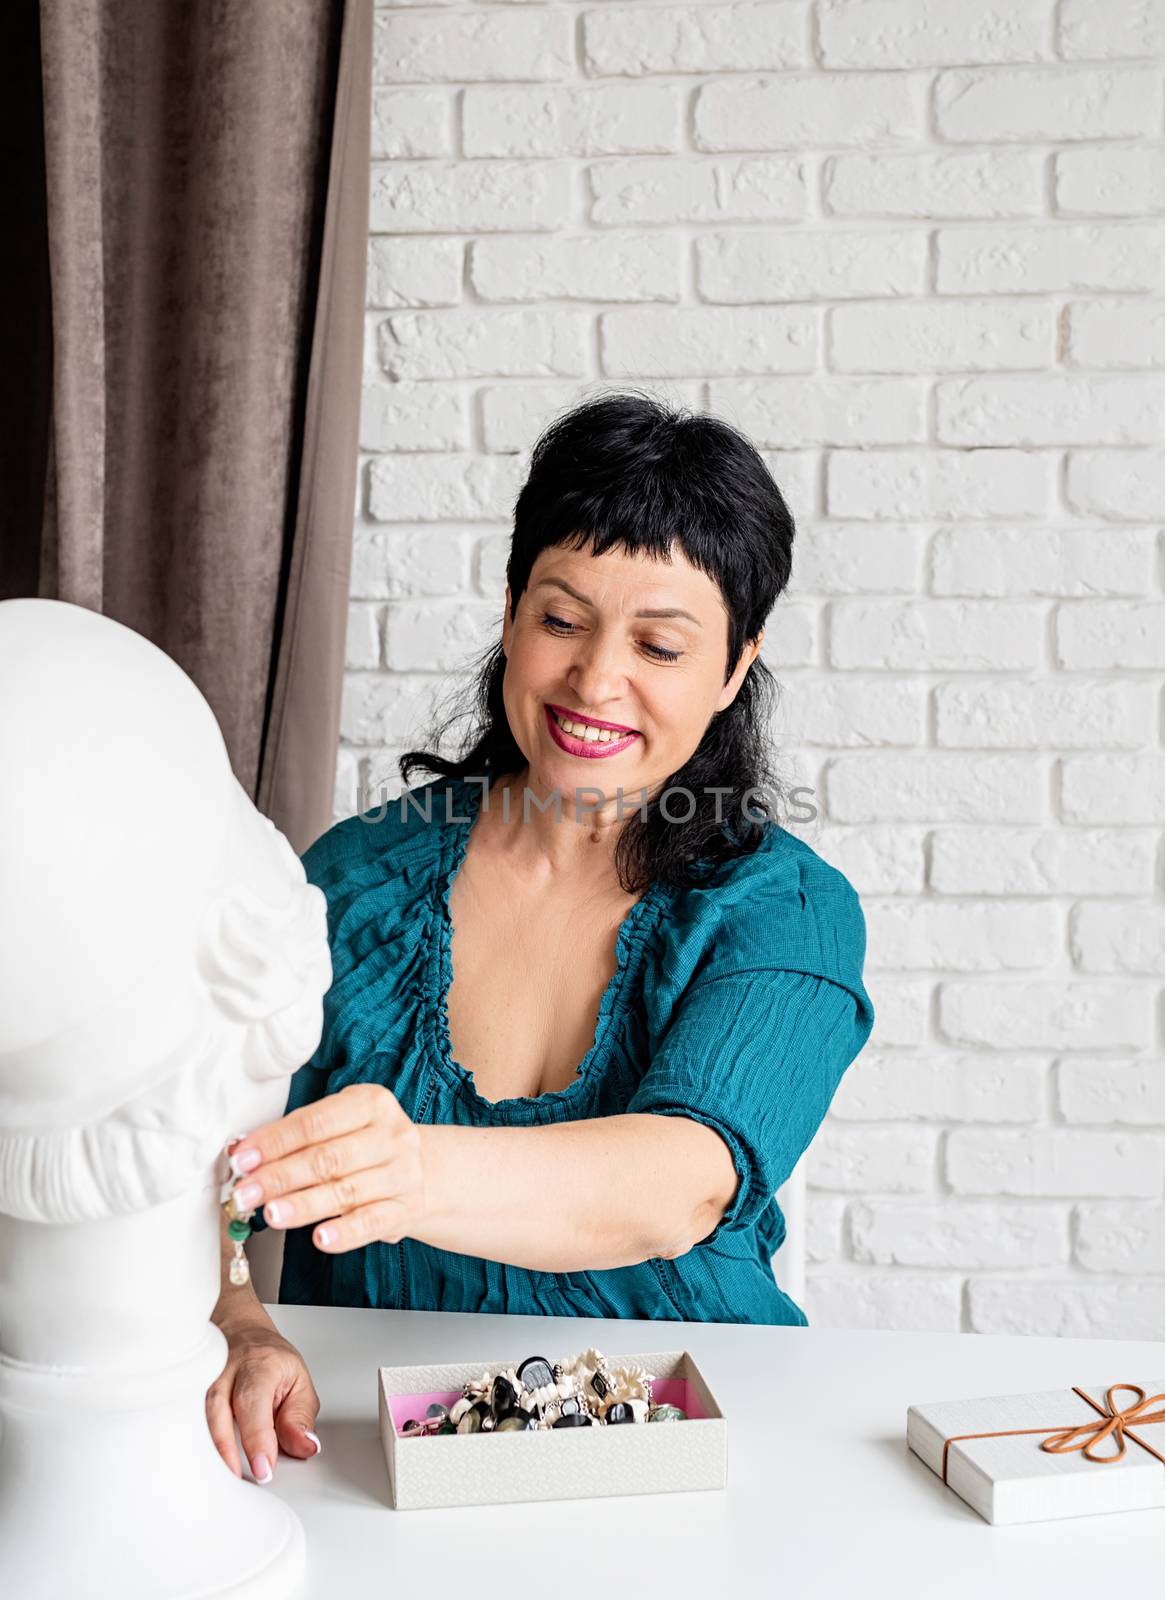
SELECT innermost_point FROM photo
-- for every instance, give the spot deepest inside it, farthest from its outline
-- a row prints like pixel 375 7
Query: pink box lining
pixel 665 1391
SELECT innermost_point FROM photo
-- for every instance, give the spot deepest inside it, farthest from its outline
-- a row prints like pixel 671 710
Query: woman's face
pixel 580 643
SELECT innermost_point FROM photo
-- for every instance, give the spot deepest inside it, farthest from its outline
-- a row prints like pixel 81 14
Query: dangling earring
pixel 238 1219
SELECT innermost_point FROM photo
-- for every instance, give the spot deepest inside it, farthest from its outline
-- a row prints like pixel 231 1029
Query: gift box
pixel 1061 1453
pixel 556 1464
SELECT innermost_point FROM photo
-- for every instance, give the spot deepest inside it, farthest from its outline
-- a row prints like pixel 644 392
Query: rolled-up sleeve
pixel 757 1056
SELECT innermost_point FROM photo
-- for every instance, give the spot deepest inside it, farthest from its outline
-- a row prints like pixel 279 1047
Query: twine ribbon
pixel 1085 1436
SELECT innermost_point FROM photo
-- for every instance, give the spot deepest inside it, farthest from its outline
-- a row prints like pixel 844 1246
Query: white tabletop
pixel 823 1497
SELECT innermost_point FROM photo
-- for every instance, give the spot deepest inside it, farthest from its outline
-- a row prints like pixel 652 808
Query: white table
pixel 823 1497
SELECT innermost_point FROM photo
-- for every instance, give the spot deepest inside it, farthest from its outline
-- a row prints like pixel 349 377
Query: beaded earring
pixel 238 1218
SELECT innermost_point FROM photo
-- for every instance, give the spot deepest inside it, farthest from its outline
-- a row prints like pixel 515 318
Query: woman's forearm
pixel 237 1303
pixel 573 1196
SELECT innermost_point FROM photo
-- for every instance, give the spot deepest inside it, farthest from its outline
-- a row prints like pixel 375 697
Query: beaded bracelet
pixel 540 1395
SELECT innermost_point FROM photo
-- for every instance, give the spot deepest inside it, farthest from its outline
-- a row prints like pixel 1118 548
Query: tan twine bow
pixel 1084 1436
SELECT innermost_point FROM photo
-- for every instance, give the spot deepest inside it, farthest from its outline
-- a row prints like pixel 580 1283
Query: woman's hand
pixel 267 1389
pixel 350 1162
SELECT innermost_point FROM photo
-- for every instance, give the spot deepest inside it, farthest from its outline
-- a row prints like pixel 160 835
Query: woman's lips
pixel 592 751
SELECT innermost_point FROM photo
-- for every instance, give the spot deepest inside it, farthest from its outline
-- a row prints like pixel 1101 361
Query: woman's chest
pixel 528 978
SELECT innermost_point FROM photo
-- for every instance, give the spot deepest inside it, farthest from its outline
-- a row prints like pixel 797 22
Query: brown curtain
pixel 204 200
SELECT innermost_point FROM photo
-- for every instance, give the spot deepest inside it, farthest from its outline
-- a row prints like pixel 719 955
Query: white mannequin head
pixel 162 957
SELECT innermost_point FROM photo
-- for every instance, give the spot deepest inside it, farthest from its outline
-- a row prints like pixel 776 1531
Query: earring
pixel 238 1219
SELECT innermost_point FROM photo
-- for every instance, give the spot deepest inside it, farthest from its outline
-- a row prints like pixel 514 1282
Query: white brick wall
pixel 916 250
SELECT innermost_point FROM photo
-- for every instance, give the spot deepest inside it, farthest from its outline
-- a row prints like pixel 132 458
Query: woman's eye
pixel 558 625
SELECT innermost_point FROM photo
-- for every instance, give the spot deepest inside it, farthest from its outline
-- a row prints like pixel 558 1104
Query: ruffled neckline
pixel 629 942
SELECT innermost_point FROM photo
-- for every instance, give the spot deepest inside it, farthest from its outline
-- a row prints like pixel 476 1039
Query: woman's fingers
pixel 383 1220
pixel 314 1167
pixel 254 1405
pixel 295 1420
pixel 220 1420
pixel 344 1112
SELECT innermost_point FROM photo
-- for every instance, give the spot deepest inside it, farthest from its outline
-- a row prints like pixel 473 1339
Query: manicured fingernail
pixel 261 1469
pixel 248 1194
pixel 274 1212
pixel 324 1235
pixel 314 1439
pixel 245 1160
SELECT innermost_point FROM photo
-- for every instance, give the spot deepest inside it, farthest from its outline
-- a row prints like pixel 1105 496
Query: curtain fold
pixel 206 194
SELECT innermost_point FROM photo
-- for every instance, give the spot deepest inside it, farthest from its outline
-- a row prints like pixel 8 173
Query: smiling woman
pixel 590 1001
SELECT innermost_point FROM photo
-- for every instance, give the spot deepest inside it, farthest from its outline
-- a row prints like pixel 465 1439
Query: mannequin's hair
pixel 627 470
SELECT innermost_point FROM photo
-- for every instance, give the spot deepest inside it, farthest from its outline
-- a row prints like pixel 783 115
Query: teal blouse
pixel 738 1003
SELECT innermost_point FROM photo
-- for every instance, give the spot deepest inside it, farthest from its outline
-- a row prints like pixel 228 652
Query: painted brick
pixel 935 635
pixel 903 33
pixel 1116 1238
pixel 923 1304
pixel 609 267
pixel 629 41
pixel 842 713
pixel 972 184
pixel 796 112
pixel 932 937
pixel 388 708
pixel 792 414
pixel 1066 1310
pixel 413 416
pixel 423 635
pixel 790 636
pixel 1044 103
pixel 1025 861
pixel 344 788
pixel 1110 634
pixel 1051 711
pixel 486 197
pixel 414 272
pixel 941 1089
pixel 875 860
pixel 406 563
pixel 969 1234
pixel 1115 333
pixel 900 1011
pixel 410 124
pixel 1050 410
pixel 588 120
pixel 940 787
pixel 1121 28
pixel 1072 1015
pixel 438 488
pixel 689 189
pixel 514 414
pixel 932 336
pixel 484 44
pixel 693 342
pixel 1052 1161
pixel 1117 483
pixel 1062 561
pixel 362 644
pixel 883 1160
pixel 511 344
pixel 744 268
pixel 903 484
pixel 837 558
pixel 1118 938
pixel 824 1217
pixel 1098 1090
pixel 1113 789
pixel 1109 183
pixel 1054 256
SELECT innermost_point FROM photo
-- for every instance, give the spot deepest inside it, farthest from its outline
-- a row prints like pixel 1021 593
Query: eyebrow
pixel 663 611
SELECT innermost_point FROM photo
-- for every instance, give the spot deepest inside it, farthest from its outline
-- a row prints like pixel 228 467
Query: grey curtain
pixel 205 212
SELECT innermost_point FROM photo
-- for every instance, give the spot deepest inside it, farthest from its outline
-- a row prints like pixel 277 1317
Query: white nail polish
pixel 314 1439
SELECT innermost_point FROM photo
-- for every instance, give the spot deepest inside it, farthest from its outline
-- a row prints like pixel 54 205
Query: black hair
pixel 626 469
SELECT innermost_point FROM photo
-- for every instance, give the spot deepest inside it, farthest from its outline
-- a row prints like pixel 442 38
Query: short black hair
pixel 626 469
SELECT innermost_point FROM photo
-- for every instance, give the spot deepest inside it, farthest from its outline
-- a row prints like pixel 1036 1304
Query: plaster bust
pixel 163 962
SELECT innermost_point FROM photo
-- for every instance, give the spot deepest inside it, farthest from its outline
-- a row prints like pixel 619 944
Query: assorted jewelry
pixel 238 1220
pixel 539 1394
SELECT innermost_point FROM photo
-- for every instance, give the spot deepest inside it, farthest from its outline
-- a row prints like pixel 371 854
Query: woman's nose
pixel 598 672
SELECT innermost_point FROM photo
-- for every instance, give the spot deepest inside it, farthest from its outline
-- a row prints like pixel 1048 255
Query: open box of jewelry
pixel 538 1429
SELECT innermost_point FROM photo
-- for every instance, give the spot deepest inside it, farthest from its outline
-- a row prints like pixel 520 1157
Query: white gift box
pixel 554 1464
pixel 1009 1475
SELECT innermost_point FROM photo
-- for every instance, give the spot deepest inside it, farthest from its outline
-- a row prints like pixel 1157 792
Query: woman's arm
pixel 567 1197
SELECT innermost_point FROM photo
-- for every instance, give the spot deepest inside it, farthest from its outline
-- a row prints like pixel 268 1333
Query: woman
pixel 590 1003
